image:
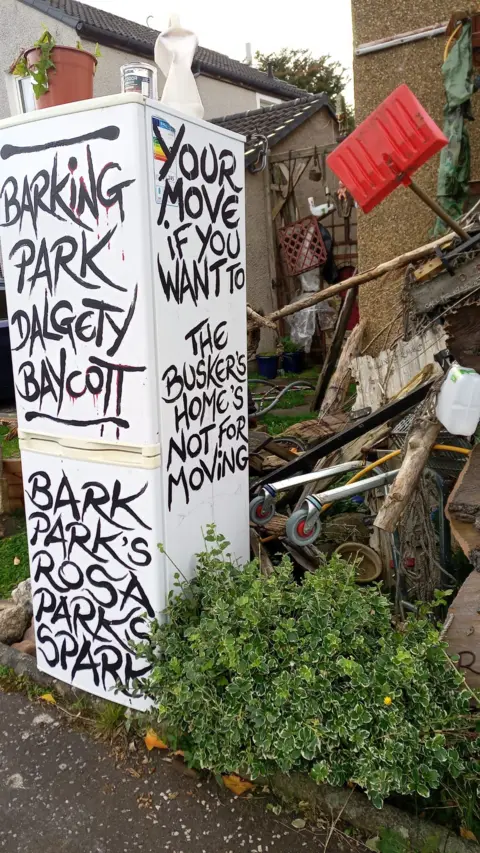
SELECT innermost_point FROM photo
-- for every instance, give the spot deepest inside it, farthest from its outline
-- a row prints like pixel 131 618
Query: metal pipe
pixel 260 412
pixel 314 476
pixel 342 492
pixel 395 41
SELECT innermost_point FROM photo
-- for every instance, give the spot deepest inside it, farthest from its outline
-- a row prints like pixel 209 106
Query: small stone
pixel 13 623
pixel 15 781
pixel 22 596
pixel 30 632
pixel 25 646
pixel 299 823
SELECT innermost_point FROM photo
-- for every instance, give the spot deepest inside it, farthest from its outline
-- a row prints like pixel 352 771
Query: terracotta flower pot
pixel 369 566
pixel 70 80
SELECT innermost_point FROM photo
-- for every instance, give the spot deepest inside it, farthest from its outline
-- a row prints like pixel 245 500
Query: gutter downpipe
pixel 395 41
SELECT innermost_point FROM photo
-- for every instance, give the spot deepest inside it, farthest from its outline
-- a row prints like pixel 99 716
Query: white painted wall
pixel 222 99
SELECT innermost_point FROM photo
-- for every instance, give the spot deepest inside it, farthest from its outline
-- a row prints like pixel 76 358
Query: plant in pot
pixel 292 356
pixel 267 363
pixel 60 74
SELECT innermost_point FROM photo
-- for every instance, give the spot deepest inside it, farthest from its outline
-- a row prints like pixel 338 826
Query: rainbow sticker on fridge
pixel 163 135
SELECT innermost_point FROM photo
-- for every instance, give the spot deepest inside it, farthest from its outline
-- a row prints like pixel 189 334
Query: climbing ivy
pixel 258 674
pixel 39 70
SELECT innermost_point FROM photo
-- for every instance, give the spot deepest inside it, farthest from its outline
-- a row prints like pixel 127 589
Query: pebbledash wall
pixel 20 27
pixel 401 222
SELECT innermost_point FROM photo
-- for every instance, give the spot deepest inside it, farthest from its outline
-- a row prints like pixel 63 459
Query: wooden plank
pixel 272 271
pixel 338 386
pixel 12 466
pixel 428 270
pixel 441 290
pixel 464 501
pixel 379 379
pixel 291 183
pixel 463 632
pixel 333 351
pixel 422 437
pixel 463 335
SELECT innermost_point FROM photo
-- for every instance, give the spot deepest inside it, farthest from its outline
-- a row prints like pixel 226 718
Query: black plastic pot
pixel 267 366
pixel 293 362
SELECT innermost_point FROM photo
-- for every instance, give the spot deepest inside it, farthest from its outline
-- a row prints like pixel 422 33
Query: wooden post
pixel 423 435
pixel 269 225
pixel 361 278
pixel 334 350
pixel 260 553
pixel 338 386
pixel 259 320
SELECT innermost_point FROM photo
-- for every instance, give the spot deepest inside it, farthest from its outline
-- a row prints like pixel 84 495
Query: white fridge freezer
pixel 122 227
pixel 98 577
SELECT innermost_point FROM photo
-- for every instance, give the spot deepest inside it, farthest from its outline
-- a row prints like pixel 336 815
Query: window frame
pixel 269 100
pixel 19 93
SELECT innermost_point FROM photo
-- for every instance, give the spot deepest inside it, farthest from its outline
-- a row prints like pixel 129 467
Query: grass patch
pixel 292 399
pixel 276 424
pixel 10 574
pixel 110 718
pixel 10 448
pixel 10 682
pixel 310 374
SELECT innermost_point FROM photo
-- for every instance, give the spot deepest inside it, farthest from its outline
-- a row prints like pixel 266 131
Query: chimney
pixel 270 69
pixel 248 54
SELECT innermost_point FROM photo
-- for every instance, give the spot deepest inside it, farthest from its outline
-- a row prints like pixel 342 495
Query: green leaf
pixel 423 790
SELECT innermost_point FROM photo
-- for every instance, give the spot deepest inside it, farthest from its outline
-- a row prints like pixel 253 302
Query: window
pixel 21 98
pixel 266 100
pixel 25 95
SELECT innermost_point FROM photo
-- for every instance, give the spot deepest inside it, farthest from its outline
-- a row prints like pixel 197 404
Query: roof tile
pixel 274 123
pixel 143 40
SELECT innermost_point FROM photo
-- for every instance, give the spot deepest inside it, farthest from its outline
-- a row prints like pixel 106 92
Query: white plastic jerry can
pixel 458 402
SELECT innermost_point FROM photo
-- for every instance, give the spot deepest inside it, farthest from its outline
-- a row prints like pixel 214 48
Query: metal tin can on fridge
pixel 140 77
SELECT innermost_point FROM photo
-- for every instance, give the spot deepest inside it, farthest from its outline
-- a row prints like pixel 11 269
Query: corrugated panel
pixel 381 378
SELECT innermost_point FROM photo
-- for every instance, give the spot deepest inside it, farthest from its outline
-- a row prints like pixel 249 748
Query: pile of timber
pixel 331 438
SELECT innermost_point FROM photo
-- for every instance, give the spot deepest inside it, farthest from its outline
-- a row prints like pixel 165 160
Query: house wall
pixel 402 221
pixel 21 26
pixel 319 130
pixel 221 99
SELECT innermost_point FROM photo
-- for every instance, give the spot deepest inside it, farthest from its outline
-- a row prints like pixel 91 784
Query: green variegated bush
pixel 258 674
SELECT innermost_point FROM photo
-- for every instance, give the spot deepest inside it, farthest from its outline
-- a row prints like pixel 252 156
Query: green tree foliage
pixel 301 69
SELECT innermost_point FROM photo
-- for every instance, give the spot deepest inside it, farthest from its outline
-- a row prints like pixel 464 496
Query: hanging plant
pixel 39 70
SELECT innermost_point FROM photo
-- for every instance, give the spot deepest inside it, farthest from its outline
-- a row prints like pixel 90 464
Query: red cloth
pixel 354 317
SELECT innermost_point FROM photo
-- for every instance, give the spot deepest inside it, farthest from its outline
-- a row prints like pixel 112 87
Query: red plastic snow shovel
pixel 386 149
